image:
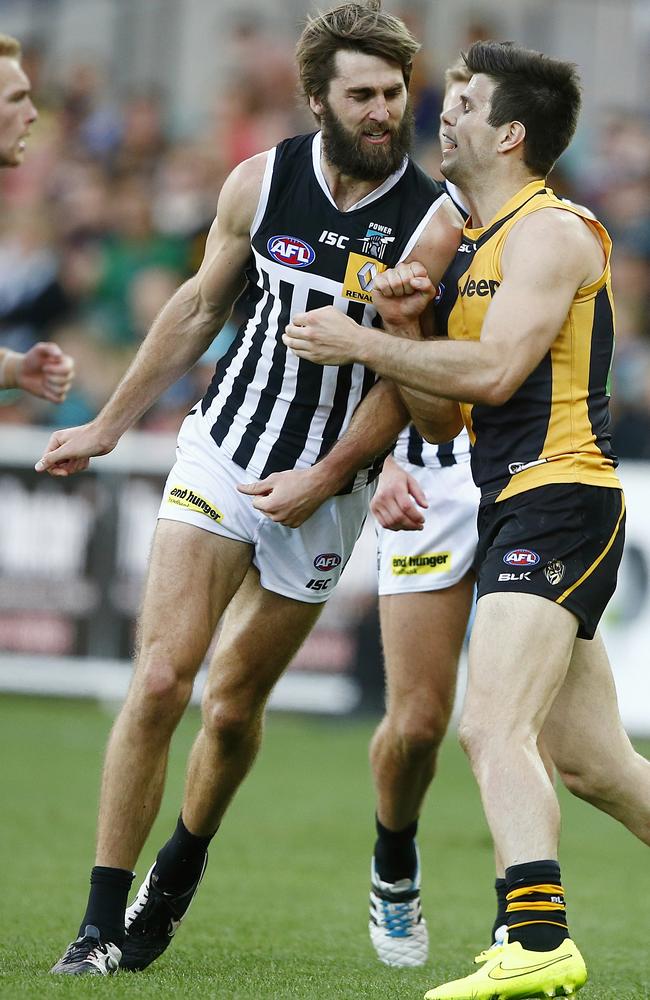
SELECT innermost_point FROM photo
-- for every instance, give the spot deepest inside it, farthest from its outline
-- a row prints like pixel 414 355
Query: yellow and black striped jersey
pixel 556 427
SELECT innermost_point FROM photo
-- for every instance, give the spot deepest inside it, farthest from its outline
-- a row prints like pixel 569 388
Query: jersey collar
pixel 511 206
pixel 385 186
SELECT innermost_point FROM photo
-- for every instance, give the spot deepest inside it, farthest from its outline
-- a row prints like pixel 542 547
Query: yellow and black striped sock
pixel 536 909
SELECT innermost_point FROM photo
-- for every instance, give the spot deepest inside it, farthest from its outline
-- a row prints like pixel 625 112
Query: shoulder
pixel 443 231
pixel 559 240
pixel 240 193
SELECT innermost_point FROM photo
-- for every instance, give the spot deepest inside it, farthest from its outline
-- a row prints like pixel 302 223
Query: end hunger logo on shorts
pixel 430 562
pixel 183 496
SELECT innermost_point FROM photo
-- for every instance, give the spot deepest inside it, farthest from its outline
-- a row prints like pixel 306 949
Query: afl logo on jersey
pixel 327 561
pixel 290 251
pixel 521 557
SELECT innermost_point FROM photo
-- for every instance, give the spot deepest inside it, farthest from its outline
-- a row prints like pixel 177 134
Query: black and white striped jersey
pixel 411 447
pixel 265 408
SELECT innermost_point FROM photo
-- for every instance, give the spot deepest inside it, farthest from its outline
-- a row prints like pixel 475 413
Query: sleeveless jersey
pixel 556 427
pixel 267 409
pixel 410 446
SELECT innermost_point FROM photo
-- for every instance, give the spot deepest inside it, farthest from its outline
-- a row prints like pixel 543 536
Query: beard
pixel 347 151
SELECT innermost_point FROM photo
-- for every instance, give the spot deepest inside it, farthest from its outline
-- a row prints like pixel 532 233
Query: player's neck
pixel 487 196
pixel 346 191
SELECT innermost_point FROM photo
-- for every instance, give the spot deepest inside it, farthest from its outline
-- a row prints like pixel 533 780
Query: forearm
pixel 10 362
pixel 180 334
pixel 436 419
pixel 374 426
pixel 464 371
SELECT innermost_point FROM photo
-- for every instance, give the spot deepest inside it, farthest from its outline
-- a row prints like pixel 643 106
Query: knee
pixel 482 740
pixel 419 734
pixel 161 693
pixel 229 720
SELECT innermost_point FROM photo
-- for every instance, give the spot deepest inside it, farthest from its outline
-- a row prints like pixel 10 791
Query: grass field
pixel 282 911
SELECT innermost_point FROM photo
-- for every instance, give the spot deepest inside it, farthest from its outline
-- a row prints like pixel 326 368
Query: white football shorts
pixel 302 563
pixel 441 553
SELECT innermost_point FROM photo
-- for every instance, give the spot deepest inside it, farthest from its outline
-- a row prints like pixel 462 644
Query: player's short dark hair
pixel 541 93
pixel 357 27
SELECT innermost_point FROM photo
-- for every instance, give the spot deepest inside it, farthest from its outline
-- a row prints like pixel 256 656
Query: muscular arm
pixel 548 256
pixel 293 496
pixel 180 334
pixel 437 419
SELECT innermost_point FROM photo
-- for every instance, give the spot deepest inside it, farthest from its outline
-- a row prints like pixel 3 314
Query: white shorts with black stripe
pixel 441 553
pixel 302 563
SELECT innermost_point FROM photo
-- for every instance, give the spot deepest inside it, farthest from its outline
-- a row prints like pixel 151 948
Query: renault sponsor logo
pixel 360 275
pixel 183 496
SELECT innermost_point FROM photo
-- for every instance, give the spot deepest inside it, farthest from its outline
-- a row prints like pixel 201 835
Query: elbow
pixel 438 431
pixel 499 388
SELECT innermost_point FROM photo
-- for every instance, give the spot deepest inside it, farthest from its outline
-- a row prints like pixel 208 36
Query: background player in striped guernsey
pixel 308 223
pixel 531 343
pixel 43 370
pixel 425 506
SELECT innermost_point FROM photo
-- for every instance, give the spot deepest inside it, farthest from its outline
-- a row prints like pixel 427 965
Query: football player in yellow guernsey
pixel 530 323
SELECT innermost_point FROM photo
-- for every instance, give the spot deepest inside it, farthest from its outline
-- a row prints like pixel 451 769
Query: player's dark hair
pixel 541 93
pixel 357 27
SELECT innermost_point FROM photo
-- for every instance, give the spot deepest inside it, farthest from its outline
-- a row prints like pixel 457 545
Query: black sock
pixel 180 862
pixel 501 917
pixel 536 907
pixel 395 855
pixel 109 890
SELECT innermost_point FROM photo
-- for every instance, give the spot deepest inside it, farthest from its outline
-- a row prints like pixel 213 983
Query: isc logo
pixel 521 557
pixel 326 561
pixel 290 251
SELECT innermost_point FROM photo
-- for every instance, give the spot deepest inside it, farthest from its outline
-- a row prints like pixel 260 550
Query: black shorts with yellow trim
pixel 563 541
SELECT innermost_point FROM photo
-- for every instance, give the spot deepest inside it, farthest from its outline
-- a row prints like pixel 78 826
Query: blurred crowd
pixel 109 214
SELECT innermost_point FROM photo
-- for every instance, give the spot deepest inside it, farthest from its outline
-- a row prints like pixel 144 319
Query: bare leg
pixel 519 654
pixel 192 577
pixel 591 749
pixel 260 634
pixel 422 636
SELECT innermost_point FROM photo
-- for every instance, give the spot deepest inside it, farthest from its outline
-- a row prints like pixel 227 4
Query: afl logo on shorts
pixel 290 251
pixel 326 561
pixel 521 557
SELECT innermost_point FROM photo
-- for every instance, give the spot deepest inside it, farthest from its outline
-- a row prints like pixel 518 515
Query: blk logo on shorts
pixel 326 561
pixel 521 557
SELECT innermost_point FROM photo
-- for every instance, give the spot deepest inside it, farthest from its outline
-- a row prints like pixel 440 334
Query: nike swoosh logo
pixel 498 972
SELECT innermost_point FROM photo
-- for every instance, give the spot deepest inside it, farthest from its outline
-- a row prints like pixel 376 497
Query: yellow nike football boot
pixel 509 971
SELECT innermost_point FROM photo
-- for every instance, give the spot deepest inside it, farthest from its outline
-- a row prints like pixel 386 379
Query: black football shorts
pixel 563 541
